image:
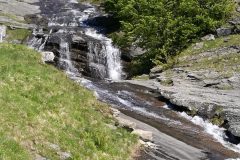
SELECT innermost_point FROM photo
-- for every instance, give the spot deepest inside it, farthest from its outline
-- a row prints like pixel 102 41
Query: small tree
pixel 165 27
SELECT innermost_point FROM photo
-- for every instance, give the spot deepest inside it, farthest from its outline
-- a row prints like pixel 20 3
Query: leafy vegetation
pixel 17 34
pixel 43 113
pixel 163 28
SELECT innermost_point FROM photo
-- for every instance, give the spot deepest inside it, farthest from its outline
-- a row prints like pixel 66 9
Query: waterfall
pixel 97 60
pixel 108 52
pixel 104 62
pixel 65 60
pixel 103 59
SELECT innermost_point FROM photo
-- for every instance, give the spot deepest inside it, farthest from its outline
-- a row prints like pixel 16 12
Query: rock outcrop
pixel 14 11
pixel 207 83
pixel 48 57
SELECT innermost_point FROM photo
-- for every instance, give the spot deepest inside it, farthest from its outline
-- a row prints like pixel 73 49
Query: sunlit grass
pixel 40 106
pixel 17 34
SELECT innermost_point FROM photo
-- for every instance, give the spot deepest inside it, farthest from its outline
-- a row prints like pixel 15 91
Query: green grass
pixel 225 65
pixel 40 106
pixel 209 45
pixel 17 34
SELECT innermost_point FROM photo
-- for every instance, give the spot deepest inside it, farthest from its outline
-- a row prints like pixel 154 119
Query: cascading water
pixel 108 52
pixel 39 39
pixel 65 59
pixel 41 48
pixel 103 58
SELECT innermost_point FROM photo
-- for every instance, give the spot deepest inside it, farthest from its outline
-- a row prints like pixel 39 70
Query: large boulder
pixel 48 57
pixel 155 72
pixel 224 31
pixel 209 37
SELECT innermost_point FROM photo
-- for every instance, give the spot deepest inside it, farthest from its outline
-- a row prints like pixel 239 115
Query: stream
pixel 89 58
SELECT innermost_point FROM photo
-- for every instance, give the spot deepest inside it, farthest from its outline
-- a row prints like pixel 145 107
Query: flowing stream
pixel 99 68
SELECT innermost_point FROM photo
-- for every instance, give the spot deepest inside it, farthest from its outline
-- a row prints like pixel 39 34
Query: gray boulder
pixel 224 31
pixel 157 69
pixel 209 37
pixel 155 72
pixel 48 57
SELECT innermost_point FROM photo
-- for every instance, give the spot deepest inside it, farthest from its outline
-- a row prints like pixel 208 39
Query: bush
pixel 165 27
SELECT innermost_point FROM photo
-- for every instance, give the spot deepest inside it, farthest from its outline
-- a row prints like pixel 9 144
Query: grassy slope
pixel 40 106
pixel 226 65
pixel 17 34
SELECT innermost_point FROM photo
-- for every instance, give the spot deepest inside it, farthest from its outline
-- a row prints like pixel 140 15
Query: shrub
pixel 165 27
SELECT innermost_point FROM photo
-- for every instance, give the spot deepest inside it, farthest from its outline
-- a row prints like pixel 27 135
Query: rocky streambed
pixel 213 95
pixel 69 37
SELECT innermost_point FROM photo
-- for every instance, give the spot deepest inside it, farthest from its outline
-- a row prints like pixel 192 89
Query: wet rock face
pixel 108 24
pixel 73 32
pixel 79 46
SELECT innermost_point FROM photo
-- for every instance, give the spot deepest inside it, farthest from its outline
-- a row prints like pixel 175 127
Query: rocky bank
pixel 205 78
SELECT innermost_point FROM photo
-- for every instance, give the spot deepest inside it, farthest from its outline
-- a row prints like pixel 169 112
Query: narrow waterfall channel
pixel 89 58
pixel 65 58
pixel 109 52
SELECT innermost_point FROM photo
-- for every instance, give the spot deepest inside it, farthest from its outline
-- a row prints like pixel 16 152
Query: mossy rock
pixel 216 120
pixel 166 82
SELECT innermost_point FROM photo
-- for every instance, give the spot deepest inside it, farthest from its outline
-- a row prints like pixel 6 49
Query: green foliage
pixel 17 34
pixel 40 106
pixel 165 27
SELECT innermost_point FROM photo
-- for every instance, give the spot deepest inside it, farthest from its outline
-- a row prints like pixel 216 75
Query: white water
pixel 215 131
pixel 73 1
pixel 1 36
pixel 65 57
pixel 2 33
pixel 45 41
pixel 106 63
pixel 35 43
pixel 112 54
